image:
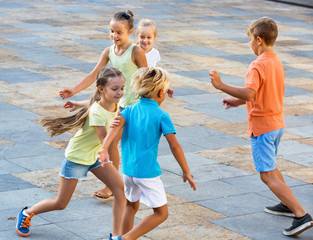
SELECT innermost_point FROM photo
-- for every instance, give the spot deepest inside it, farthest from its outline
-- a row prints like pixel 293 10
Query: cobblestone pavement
pixel 49 45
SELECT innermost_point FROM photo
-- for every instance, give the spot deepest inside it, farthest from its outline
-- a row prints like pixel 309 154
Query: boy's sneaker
pixel 23 223
pixel 119 237
pixel 279 209
pixel 299 225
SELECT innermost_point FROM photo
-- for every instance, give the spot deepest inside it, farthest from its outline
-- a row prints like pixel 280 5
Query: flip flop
pixel 102 195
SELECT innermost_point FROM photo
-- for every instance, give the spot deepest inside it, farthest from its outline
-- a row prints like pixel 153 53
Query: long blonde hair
pixel 57 126
pixel 147 82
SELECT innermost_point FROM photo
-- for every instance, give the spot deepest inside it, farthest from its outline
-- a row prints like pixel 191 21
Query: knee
pixel 268 177
pixel 60 205
pixel 163 214
pixel 133 206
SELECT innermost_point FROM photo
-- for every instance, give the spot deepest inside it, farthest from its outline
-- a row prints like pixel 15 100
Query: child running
pixel 263 94
pixel 143 124
pixel 123 55
pixel 146 35
pixel 81 152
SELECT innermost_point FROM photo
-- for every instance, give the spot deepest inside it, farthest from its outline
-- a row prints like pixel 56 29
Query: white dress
pixel 153 57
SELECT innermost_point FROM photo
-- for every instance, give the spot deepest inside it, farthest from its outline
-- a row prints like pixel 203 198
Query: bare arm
pixel 89 78
pixel 139 57
pixel 107 141
pixel 102 132
pixel 74 105
pixel 246 94
pixel 180 158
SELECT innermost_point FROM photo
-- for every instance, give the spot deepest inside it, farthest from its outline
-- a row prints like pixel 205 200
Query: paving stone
pixel 278 235
pixel 26 150
pixel 238 205
pixel 299 121
pixel 219 111
pixel 205 190
pixel 9 199
pixel 47 232
pixel 200 98
pixel 256 223
pixel 293 147
pixel 253 183
pixel 10 183
pixel 181 91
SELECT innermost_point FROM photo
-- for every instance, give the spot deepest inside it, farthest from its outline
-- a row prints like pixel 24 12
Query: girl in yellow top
pixel 81 152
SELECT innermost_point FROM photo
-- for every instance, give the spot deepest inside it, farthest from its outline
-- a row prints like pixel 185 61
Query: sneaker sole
pixel 21 234
pixel 278 213
pixel 299 229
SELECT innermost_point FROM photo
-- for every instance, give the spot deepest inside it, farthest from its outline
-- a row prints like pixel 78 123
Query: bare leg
pixel 150 222
pixel 110 176
pixel 66 189
pixel 273 180
pixel 129 216
pixel 115 158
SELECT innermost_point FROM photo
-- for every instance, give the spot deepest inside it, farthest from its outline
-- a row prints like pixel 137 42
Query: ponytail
pixel 57 126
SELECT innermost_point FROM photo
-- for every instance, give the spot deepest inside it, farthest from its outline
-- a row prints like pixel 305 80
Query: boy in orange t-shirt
pixel 263 94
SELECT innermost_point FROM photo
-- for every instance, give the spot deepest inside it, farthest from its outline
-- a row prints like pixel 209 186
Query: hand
pixel 72 105
pixel 230 102
pixel 103 156
pixel 215 79
pixel 188 177
pixel 116 121
pixel 66 93
pixel 170 92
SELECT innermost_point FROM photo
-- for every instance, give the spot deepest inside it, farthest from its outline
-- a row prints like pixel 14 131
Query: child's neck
pixel 123 47
pixel 109 106
pixel 147 50
pixel 264 49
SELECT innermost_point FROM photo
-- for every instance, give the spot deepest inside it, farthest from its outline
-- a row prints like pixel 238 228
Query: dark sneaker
pixel 299 225
pixel 119 237
pixel 279 209
pixel 23 223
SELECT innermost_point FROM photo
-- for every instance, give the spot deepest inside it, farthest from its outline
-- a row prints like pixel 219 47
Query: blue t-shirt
pixel 144 124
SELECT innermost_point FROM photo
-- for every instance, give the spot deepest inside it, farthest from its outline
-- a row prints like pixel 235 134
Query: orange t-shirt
pixel 266 76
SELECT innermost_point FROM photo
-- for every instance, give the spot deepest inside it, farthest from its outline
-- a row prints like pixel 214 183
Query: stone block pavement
pixel 49 45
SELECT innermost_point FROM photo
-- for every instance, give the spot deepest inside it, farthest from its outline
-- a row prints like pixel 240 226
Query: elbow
pixel 250 96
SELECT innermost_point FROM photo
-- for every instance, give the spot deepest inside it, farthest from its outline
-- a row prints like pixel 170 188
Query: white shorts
pixel 149 191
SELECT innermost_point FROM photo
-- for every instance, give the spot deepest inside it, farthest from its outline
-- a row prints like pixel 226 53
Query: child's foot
pixel 104 193
pixel 279 209
pixel 23 223
pixel 119 237
pixel 299 225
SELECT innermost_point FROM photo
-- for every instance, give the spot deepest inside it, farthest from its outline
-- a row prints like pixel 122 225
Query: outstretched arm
pixel 103 154
pixel 74 105
pixel 89 78
pixel 180 158
pixel 246 94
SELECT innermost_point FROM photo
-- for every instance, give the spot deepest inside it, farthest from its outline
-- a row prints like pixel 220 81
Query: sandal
pixel 99 194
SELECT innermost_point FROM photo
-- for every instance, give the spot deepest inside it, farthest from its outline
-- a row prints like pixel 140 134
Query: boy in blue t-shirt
pixel 143 124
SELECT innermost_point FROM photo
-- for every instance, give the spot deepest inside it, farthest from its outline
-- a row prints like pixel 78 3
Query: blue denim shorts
pixel 264 150
pixel 71 170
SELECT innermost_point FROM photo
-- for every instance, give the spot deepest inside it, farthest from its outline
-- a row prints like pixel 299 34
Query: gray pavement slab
pixel 10 183
pixel 238 205
pixel 205 190
pixel 253 183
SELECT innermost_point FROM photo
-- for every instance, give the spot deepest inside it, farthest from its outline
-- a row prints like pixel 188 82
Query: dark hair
pixel 57 126
pixel 125 16
pixel 265 28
